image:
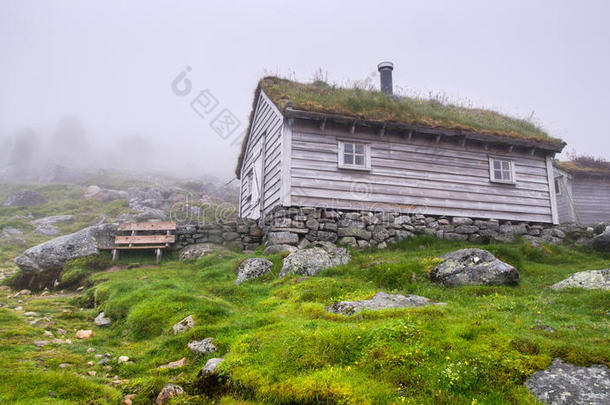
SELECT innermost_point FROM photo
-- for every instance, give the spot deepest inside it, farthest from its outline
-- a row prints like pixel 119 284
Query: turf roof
pixel 586 166
pixel 363 104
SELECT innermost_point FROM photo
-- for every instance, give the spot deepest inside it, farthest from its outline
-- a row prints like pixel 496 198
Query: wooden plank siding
pixel 415 176
pixel 266 128
pixel 591 199
pixel 565 204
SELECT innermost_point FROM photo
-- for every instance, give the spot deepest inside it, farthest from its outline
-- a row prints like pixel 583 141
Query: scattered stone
pixel 90 363
pixel 564 383
pixel 592 279
pixel 30 314
pixel 25 291
pixel 102 320
pixel 41 343
pixel 128 399
pixel 199 250
pixel 210 367
pixel 174 364
pixel 84 334
pixel 279 249
pixel 168 392
pixel 381 300
pixel 27 198
pixel 122 359
pixel 204 346
pixel 473 267
pixel 308 262
pixel 184 325
pixel 544 328
pixel 92 373
pixel 18 308
pixel 64 365
pixel 61 331
pixel 47 333
pixel 90 350
pixel 252 268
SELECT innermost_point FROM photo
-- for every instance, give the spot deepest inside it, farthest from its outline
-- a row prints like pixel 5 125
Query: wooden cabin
pixel 316 145
pixel 583 192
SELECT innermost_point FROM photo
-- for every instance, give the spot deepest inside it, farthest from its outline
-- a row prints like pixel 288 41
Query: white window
pixel 249 180
pixel 502 170
pixel 558 185
pixel 354 155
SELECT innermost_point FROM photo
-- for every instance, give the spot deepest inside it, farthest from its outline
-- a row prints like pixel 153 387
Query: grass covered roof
pixel 586 165
pixel 371 105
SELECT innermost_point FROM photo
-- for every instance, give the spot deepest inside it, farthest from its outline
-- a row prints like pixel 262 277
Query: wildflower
pixel 539 312
pixel 358 337
pixel 447 358
pixel 356 362
pixel 348 368
pixel 465 362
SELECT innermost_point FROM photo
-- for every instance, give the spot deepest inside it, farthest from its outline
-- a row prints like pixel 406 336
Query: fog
pixel 89 84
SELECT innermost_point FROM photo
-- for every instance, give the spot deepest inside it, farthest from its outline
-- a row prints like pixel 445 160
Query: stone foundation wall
pixel 301 226
pixel 241 233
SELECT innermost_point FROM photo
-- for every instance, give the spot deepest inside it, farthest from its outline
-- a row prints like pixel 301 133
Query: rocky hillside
pixel 423 321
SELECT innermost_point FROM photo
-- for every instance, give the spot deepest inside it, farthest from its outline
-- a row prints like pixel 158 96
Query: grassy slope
pixel 281 346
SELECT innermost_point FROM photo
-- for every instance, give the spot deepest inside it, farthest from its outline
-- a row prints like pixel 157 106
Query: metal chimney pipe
pixel 385 75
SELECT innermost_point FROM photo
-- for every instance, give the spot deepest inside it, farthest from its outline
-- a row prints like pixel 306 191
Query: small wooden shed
pixel 583 191
pixel 354 149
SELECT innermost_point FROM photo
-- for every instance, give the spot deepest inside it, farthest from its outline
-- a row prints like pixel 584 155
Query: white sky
pixel 111 63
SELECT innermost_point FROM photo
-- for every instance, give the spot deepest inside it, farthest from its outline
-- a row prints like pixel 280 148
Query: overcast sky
pixel 111 63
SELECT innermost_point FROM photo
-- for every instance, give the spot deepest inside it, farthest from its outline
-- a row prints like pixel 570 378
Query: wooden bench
pixel 144 235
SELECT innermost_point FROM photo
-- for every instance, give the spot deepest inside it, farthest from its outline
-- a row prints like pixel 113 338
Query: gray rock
pixel 52 219
pixel 348 241
pixel 167 393
pixel 25 198
pixel 198 250
pixel 282 238
pixel 53 254
pixel 252 268
pixel 355 232
pixel 308 262
pixel 230 236
pixel 102 320
pixel 104 195
pixel 46 229
pixel 462 221
pixel 184 325
pixel 381 300
pixel 601 242
pixel 466 229
pixel 204 346
pixel 210 367
pixel 147 214
pixel 275 249
pixel 564 383
pixel 473 267
pixel 592 279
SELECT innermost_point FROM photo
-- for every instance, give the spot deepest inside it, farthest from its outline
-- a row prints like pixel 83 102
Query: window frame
pixel 249 183
pixel 558 184
pixel 366 166
pixel 492 177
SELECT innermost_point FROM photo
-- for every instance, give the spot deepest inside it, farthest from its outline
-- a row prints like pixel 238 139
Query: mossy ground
pixel 282 347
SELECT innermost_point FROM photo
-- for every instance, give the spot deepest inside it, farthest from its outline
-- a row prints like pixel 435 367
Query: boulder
pixel 279 249
pixel 168 392
pixel 210 367
pixel 564 383
pixel 308 262
pixel 592 279
pixel 47 229
pixel 104 195
pixel 52 219
pixel 53 254
pixel 25 198
pixel 601 242
pixel 102 320
pixel 473 267
pixel 251 268
pixel 381 300
pixel 204 346
pixel 197 251
pixel 147 214
pixel 184 325
pixel 174 364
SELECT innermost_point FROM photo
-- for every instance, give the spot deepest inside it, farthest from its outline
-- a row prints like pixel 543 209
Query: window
pixel 558 185
pixel 501 170
pixel 249 180
pixel 354 155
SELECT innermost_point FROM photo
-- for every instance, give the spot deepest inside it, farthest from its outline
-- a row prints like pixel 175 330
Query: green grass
pixel 282 347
